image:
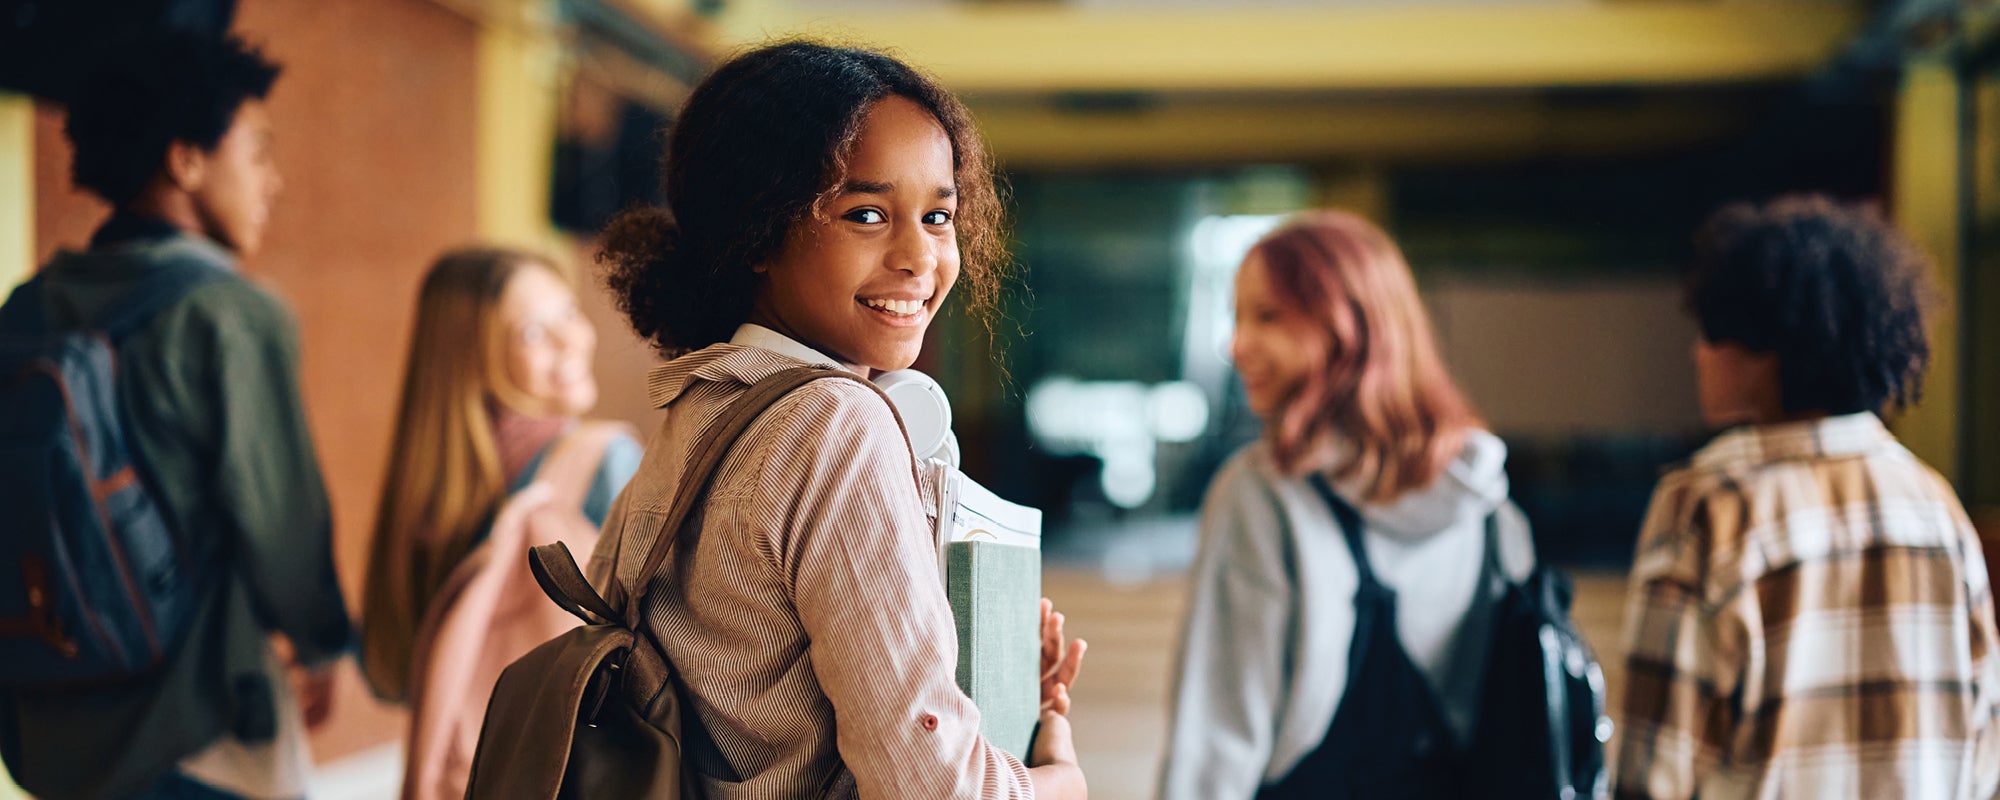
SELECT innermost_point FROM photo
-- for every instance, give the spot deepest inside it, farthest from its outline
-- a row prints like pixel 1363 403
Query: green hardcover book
pixel 995 591
pixel 991 554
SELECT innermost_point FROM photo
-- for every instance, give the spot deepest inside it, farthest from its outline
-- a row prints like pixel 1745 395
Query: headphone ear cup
pixel 925 410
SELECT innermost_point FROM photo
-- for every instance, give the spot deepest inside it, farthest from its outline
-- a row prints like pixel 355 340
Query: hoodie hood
pixel 80 285
pixel 123 257
pixel 1472 486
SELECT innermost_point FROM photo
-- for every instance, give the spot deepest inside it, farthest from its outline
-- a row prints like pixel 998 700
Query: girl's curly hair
pixel 762 142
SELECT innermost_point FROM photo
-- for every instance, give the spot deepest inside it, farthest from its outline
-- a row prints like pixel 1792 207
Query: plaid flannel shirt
pixel 1810 617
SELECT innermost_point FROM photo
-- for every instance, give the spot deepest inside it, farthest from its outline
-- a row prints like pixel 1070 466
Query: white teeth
pixel 902 307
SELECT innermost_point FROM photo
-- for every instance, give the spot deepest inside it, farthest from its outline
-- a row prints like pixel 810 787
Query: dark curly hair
pixel 148 93
pixel 1833 290
pixel 760 145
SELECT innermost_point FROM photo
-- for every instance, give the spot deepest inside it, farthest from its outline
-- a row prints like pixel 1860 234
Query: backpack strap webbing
pixel 555 567
pixel 708 453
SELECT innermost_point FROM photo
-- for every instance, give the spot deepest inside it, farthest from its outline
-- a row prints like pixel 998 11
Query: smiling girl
pixel 497 382
pixel 1339 622
pixel 821 204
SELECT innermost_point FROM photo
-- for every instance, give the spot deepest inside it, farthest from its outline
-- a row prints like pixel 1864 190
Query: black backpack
pixel 94 586
pixel 1544 695
pixel 1542 729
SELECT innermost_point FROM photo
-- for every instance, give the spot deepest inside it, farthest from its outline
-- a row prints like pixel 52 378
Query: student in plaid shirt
pixel 1810 612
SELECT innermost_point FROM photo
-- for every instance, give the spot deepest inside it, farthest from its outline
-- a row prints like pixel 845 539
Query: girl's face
pixel 1274 346
pixel 548 343
pixel 862 281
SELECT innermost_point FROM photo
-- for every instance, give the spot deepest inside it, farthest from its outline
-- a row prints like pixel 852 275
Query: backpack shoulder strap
pixel 1494 565
pixel 707 455
pixel 26 311
pixel 1350 528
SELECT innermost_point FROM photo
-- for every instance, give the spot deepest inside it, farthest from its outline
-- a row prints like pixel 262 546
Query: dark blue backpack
pixel 94 586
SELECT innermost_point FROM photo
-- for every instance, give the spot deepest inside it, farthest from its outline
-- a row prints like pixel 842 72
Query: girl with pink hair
pixel 1300 674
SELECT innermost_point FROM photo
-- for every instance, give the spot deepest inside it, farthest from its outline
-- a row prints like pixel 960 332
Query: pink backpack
pixel 491 611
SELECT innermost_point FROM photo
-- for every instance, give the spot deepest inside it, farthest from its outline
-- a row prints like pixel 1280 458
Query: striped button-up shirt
pixel 810 630
pixel 1810 618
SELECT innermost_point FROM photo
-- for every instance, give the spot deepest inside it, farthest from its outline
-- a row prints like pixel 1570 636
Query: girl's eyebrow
pixel 866 187
pixel 883 187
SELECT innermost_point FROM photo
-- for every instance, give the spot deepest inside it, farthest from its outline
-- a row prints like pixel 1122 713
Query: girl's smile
pixel 885 241
pixel 900 310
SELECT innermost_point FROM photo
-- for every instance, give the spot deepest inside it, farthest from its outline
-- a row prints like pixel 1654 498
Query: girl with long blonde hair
pixel 498 377
pixel 1299 674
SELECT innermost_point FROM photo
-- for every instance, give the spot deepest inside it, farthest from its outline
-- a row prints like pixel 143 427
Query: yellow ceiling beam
pixel 1464 129
pixel 1004 48
pixel 516 108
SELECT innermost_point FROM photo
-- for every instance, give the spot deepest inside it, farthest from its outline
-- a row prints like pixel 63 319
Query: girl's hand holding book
pixel 1060 663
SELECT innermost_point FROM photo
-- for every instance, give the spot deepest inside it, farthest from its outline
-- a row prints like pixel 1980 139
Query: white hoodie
pixel 1263 658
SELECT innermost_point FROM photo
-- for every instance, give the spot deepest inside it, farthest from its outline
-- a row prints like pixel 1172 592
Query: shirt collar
pixel 1828 437
pixel 751 334
pixel 125 227
pixel 753 354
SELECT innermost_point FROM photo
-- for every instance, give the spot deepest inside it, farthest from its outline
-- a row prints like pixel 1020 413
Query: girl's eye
pixel 937 218
pixel 866 216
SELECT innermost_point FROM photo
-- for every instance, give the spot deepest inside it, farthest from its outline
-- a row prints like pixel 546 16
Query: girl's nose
pixel 579 335
pixel 913 252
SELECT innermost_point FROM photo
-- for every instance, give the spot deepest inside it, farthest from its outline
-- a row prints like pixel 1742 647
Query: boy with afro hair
pixel 1810 614
pixel 173 132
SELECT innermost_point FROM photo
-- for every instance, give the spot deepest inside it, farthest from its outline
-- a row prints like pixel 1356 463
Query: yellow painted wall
pixel 17 189
pixel 1982 487
pixel 519 68
pixel 1925 199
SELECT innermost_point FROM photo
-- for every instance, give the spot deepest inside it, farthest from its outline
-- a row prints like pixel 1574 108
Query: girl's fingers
pixel 1063 672
pixel 1060 663
pixel 1052 636
pixel 1072 663
pixel 1057 702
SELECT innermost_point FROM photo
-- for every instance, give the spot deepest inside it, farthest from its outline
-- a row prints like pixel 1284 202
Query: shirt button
pixel 930 722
